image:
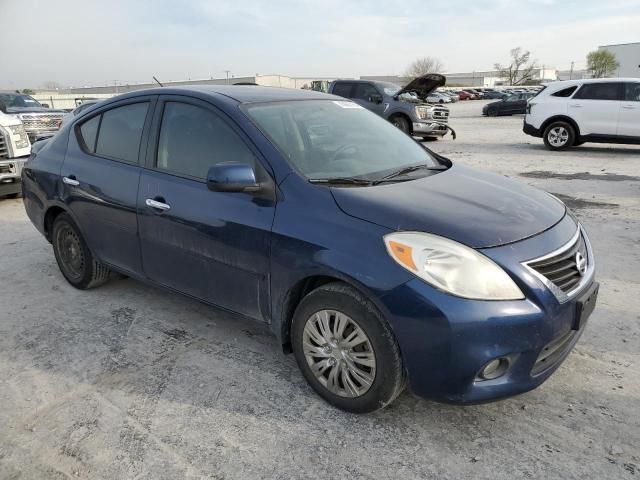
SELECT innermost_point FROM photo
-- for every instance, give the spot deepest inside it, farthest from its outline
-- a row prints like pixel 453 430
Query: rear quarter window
pixel 565 92
pixel 89 133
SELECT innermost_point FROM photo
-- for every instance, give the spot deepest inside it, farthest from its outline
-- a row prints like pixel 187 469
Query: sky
pixel 97 42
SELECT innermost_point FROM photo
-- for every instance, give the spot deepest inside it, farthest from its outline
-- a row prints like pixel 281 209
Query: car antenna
pixel 158 81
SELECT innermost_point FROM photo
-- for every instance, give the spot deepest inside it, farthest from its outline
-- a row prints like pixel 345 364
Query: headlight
pixel 17 129
pixel 451 266
pixel 422 112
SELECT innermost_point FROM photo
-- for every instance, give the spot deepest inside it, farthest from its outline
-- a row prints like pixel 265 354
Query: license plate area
pixel 585 305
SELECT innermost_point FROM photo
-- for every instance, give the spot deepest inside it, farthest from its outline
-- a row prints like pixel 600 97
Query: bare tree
pixel 521 68
pixel 601 63
pixel 422 66
pixel 51 85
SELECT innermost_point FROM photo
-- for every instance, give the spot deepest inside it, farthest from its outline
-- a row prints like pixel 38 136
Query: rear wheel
pixel 346 350
pixel 401 123
pixel 559 136
pixel 75 261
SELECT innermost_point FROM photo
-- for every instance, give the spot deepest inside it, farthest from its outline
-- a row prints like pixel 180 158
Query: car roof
pixel 590 80
pixel 239 93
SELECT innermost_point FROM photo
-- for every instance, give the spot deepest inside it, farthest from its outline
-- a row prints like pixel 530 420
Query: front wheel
pixel 75 261
pixel 559 136
pixel 492 112
pixel 346 350
pixel 401 123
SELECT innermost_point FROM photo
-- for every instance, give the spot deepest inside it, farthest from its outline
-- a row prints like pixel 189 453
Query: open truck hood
pixel 424 85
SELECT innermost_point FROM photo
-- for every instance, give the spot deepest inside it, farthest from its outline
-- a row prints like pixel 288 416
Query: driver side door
pixel 213 246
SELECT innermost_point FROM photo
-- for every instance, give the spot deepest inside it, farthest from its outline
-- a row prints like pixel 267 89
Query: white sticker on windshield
pixel 344 104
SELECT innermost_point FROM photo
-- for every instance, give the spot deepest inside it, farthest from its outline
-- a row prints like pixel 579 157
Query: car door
pixel 211 245
pixel 367 95
pixel 100 177
pixel 629 119
pixel 596 106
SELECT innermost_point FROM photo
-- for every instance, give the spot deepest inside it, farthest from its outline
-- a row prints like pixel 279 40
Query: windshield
pixel 389 88
pixel 325 139
pixel 18 100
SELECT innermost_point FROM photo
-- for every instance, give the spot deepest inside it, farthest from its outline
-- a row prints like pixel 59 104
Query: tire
pixel 430 139
pixel 492 112
pixel 577 143
pixel 401 123
pixel 338 304
pixel 75 260
pixel 559 136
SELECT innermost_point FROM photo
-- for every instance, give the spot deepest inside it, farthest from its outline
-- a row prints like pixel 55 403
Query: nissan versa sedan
pixel 377 262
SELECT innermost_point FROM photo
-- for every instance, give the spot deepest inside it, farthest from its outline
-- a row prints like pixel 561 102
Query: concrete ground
pixel 128 381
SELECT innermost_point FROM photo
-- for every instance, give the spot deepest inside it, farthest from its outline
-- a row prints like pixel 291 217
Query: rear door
pixel 100 175
pixel 629 121
pixel 596 107
pixel 211 245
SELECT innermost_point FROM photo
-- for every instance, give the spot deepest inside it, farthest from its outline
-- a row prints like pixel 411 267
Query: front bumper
pixel 446 340
pixel 10 174
pixel 430 129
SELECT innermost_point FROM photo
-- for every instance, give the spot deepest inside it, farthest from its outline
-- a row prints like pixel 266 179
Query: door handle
pixel 575 105
pixel 71 180
pixel 156 204
pixel 628 107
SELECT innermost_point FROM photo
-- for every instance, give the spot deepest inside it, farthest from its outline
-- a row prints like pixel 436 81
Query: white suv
pixel 573 112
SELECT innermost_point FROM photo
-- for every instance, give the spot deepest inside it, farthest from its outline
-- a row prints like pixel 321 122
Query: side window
pixel 193 139
pixel 342 89
pixel 565 92
pixel 364 90
pixel 121 131
pixel 89 133
pixel 599 91
pixel 632 92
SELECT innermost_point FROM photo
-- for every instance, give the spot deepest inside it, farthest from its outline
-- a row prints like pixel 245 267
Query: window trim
pixel 151 157
pixel 150 99
pixel 619 98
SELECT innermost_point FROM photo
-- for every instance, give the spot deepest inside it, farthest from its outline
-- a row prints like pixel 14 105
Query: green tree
pixel 601 63
pixel 28 91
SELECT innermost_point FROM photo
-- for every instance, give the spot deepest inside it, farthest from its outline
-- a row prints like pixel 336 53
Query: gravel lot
pixel 128 381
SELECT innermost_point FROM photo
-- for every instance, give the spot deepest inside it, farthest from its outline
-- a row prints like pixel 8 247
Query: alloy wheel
pixel 339 353
pixel 558 136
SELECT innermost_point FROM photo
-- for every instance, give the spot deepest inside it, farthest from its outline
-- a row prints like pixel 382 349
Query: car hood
pixel 424 85
pixel 476 208
pixel 16 110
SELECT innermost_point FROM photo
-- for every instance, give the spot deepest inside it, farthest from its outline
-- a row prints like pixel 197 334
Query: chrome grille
pixel 4 148
pixel 560 271
pixel 42 122
pixel 440 114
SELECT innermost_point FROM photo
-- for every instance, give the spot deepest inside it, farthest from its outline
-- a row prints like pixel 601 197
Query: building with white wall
pixel 628 57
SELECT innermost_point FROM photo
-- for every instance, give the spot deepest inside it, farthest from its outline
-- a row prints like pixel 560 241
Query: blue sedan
pixel 377 262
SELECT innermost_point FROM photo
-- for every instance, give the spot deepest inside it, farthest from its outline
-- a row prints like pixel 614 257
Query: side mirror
pixel 3 107
pixel 232 177
pixel 375 98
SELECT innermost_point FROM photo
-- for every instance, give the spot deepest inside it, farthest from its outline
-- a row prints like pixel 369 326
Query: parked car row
pixel 512 104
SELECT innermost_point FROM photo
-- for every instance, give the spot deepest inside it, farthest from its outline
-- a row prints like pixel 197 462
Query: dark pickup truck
pixel 404 107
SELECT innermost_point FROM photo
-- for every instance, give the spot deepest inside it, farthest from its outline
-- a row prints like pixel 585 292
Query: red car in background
pixel 465 95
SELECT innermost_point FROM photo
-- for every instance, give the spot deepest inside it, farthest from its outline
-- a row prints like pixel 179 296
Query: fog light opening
pixel 494 369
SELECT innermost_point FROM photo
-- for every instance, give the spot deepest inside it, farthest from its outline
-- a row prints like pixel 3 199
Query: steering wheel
pixel 347 149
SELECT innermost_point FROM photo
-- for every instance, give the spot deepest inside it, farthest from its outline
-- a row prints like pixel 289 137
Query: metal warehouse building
pixel 628 56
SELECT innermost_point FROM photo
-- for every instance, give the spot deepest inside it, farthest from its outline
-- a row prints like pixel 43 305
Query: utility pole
pixel 571 71
pixel 227 72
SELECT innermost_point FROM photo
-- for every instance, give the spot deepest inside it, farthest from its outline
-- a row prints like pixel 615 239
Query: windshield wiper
pixel 399 173
pixel 341 181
